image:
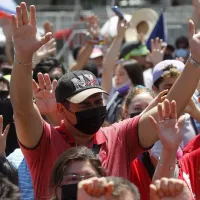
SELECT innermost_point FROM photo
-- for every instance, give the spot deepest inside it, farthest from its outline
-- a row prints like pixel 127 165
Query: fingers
pixel 36 88
pixel 54 83
pixel 181 122
pixel 14 23
pixel 160 113
pixel 1 124
pixel 24 12
pixel 167 109
pixel 41 81
pixel 45 38
pixel 161 95
pixel 47 82
pixel 153 193
pixel 19 16
pixel 5 133
pixel 33 20
pixel 173 110
pixel 191 29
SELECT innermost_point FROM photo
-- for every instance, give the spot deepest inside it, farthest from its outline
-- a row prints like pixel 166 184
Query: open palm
pixel 168 128
pixel 44 94
pixel 25 40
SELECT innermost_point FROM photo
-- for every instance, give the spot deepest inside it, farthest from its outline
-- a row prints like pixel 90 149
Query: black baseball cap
pixel 76 86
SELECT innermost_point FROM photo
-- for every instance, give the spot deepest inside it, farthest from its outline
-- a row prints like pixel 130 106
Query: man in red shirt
pixel 80 103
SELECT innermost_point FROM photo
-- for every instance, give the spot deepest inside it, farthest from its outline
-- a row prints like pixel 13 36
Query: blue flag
pixel 158 31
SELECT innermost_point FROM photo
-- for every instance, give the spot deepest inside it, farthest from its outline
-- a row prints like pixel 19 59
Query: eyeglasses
pixel 75 178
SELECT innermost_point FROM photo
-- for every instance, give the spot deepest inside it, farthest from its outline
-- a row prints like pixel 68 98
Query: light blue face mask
pixel 184 53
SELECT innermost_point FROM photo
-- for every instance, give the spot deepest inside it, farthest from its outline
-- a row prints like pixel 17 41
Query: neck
pixel 79 137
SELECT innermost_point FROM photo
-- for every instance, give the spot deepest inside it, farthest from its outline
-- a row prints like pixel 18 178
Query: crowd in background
pixel 122 122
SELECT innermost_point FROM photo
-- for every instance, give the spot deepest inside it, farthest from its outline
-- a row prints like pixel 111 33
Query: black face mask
pixel 134 114
pixel 4 94
pixel 90 121
pixel 69 192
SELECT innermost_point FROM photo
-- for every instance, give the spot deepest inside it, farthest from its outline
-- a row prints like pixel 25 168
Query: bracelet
pixel 25 64
pixel 193 61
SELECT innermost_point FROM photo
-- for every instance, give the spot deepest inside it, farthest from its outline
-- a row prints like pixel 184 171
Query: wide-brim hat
pixel 142 15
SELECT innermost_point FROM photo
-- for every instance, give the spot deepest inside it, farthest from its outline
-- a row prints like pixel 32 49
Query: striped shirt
pixel 25 182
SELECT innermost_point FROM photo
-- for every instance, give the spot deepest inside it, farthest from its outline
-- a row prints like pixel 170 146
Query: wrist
pixel 23 58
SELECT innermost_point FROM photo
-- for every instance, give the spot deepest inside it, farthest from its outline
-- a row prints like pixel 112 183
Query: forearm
pixel 181 92
pixel 21 85
pixel 184 87
pixel 83 57
pixel 109 64
pixel 166 165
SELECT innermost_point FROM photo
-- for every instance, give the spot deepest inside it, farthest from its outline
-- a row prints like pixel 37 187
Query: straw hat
pixel 144 21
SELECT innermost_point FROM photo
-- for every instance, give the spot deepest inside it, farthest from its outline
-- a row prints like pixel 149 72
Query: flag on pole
pixel 7 8
pixel 158 31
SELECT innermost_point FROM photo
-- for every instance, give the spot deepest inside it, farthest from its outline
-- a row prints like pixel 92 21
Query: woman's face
pixel 139 103
pixel 78 169
pixel 75 172
pixel 121 76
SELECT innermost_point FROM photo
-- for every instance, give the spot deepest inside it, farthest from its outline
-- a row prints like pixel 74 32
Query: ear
pixel 61 110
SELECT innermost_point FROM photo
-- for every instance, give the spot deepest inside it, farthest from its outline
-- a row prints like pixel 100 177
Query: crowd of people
pixel 121 123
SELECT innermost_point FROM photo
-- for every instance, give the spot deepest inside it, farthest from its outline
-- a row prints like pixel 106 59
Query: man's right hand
pixel 25 41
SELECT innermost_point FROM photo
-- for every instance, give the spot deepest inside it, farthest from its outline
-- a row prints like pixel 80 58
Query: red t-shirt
pixel 140 177
pixel 190 172
pixel 119 147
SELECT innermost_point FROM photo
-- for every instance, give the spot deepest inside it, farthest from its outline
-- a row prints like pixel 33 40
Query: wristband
pixel 193 61
pixel 25 64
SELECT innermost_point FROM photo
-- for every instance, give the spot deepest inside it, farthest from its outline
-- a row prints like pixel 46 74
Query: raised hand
pixel 93 26
pixel 94 188
pixel 157 51
pixel 194 40
pixel 168 128
pixel 122 26
pixel 45 51
pixel 3 137
pixel 24 33
pixel 44 94
pixel 169 189
pixel 158 99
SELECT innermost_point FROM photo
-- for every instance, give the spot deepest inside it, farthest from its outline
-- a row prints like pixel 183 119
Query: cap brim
pixel 81 96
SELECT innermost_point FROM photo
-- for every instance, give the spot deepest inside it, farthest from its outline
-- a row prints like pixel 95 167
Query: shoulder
pixel 122 127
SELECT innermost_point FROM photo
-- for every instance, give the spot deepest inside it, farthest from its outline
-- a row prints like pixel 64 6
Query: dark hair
pixel 80 153
pixel 8 170
pixel 8 191
pixel 134 71
pixel 133 92
pixel 121 186
pixel 45 66
pixel 182 40
pixel 3 80
pixel 92 68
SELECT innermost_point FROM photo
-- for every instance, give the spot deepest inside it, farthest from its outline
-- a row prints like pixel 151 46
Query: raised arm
pixel 170 133
pixel 110 60
pixel 28 121
pixel 181 91
pixel 86 50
